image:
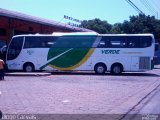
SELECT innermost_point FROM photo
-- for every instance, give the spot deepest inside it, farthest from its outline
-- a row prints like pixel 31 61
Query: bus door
pixel 135 64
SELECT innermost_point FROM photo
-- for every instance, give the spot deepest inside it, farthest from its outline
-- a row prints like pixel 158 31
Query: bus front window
pixel 15 48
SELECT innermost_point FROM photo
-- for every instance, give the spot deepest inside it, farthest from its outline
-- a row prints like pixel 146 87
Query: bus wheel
pixel 28 67
pixel 116 69
pixel 100 68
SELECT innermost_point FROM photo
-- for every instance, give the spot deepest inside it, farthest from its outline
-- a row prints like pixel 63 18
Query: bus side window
pixel 133 42
pixel 145 41
pixel 117 42
pixel 101 44
pixel 49 44
pixel 43 44
pixel 30 42
pixel 104 43
pixel 39 42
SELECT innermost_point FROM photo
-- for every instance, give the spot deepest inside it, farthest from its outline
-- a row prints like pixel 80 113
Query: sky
pixel 113 11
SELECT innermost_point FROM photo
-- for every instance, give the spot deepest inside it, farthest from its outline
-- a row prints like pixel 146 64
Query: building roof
pixel 21 16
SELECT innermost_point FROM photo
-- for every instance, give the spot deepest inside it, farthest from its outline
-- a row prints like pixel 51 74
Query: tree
pixel 97 25
pixel 136 24
pixel 116 29
pixel 142 24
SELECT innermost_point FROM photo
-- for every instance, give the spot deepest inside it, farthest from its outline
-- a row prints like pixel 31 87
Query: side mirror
pixel 3 49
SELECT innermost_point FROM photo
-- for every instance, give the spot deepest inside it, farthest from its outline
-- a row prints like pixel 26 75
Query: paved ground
pixel 76 93
pixel 153 104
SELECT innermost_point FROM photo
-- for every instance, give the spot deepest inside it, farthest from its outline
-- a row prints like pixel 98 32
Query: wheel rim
pixel 100 69
pixel 29 68
pixel 117 70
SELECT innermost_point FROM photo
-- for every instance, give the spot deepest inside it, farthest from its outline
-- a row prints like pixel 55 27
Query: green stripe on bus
pixel 69 51
pixel 71 58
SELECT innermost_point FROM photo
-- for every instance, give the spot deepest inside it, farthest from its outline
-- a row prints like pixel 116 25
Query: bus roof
pixel 82 33
pixel 143 34
pixel 59 34
pixel 74 33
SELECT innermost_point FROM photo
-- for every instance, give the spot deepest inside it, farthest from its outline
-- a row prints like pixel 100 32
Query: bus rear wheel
pixel 100 68
pixel 28 67
pixel 116 69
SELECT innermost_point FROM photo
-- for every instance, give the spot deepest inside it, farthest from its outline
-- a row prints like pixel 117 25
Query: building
pixel 14 23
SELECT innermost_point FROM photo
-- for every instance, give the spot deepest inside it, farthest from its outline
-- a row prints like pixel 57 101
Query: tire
pixel 1 115
pixel 116 69
pixel 28 67
pixel 100 68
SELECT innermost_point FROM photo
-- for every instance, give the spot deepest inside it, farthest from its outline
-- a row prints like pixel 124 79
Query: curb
pixel 27 74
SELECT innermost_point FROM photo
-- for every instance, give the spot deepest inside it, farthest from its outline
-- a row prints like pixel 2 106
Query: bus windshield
pixel 14 48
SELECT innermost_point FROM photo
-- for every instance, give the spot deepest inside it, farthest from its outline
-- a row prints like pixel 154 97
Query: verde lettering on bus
pixel 110 51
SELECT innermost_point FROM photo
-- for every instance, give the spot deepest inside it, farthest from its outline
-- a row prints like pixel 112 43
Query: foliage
pixel 136 24
pixel 97 25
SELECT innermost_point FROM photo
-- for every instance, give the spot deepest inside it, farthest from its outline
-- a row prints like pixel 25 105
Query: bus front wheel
pixel 28 67
pixel 100 68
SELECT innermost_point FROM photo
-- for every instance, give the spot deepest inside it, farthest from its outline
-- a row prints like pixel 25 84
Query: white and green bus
pixel 84 51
